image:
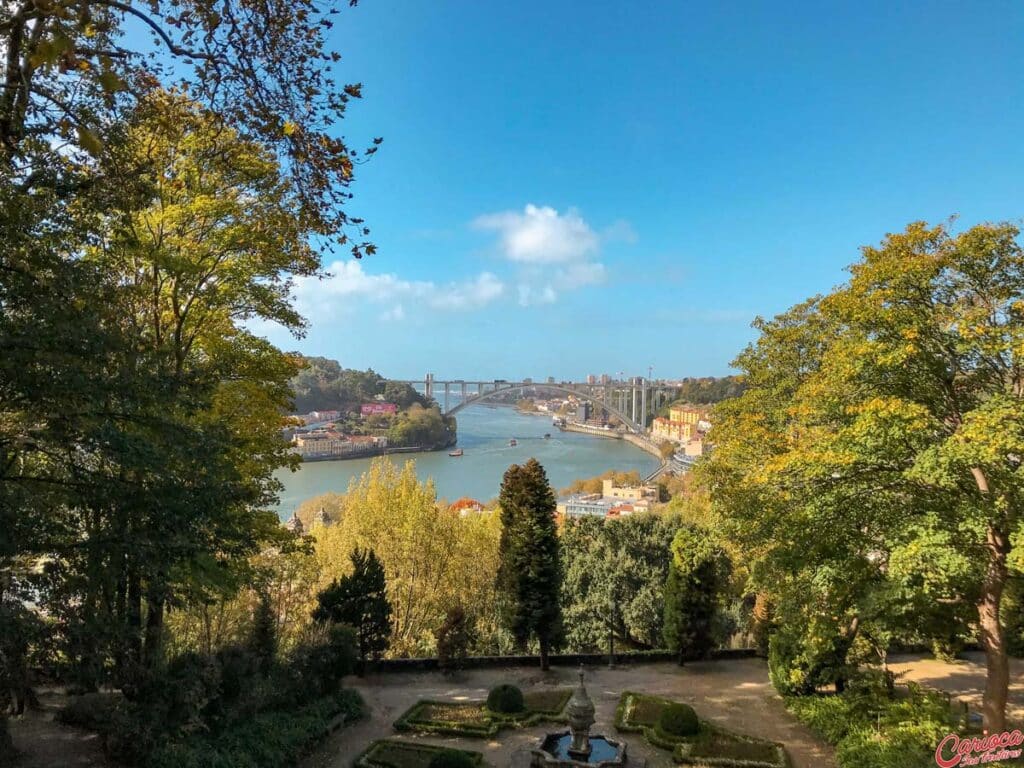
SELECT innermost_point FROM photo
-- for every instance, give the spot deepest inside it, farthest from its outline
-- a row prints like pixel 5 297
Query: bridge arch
pixel 479 398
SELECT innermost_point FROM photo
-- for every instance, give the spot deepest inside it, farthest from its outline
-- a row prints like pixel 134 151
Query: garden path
pixel 734 693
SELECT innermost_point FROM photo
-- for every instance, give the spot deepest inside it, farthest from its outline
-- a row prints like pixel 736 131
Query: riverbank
pixel 640 442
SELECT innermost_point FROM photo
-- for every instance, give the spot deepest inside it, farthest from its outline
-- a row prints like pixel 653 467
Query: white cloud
pixel 541 235
pixel 350 284
pixel 556 252
pixel 397 312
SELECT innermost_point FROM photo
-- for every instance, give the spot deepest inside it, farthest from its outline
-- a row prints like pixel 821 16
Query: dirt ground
pixel 735 693
pixel 42 742
pixel 964 678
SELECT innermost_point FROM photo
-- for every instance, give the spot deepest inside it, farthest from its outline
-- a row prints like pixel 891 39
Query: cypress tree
pixel 529 573
pixel 264 634
pixel 360 600
pixel 696 573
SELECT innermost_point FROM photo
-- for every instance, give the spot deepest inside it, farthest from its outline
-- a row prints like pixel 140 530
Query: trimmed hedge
pixel 427 663
pixel 475 720
pixel 506 699
pixel 391 753
pixel 451 758
pixel 268 740
pixel 711 745
pixel 678 720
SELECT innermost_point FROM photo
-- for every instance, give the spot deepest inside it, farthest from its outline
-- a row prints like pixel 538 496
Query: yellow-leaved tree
pixel 434 558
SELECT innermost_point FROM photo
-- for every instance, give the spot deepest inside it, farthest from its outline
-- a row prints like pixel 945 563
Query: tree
pixel 697 572
pixel 264 633
pixel 388 509
pixel 454 639
pixel 614 574
pixel 529 573
pixel 887 413
pixel 68 72
pixel 360 600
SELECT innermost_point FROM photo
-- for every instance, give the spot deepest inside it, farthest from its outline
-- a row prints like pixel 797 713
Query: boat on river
pixel 512 443
pixel 456 452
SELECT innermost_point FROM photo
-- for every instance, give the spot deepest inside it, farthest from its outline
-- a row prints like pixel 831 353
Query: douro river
pixel 484 434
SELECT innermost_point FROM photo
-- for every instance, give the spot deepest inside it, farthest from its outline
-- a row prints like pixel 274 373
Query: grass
pixel 473 719
pixel 713 746
pixel 547 701
pixel 389 753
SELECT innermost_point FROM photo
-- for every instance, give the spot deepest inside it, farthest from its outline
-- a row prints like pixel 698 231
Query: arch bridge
pixel 631 400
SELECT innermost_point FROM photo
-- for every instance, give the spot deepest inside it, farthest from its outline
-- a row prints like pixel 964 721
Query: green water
pixel 484 433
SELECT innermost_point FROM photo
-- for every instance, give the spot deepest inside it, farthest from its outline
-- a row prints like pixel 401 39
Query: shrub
pixel 454 638
pixel 97 712
pixel 268 740
pixel 319 664
pixel 506 699
pixel 871 730
pixel 451 758
pixel 678 720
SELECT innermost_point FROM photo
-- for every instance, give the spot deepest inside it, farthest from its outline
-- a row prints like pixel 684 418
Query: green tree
pixel 887 413
pixel 614 574
pixel 360 600
pixel 529 573
pixel 697 573
pixel 264 633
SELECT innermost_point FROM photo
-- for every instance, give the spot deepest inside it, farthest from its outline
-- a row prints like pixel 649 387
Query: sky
pixel 568 188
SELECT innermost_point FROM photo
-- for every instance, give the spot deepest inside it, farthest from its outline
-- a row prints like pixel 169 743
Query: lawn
pixel 473 719
pixel 388 753
pixel 712 746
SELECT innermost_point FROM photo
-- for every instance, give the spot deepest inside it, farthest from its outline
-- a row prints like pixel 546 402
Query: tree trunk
pixel 153 641
pixel 992 640
pixel 544 662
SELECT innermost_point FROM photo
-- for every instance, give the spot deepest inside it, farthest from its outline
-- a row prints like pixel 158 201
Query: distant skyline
pixel 569 188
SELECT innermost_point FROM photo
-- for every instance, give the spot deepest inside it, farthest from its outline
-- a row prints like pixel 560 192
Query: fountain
pixel 575 747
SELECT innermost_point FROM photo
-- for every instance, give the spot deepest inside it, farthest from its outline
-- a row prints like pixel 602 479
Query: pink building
pixel 375 409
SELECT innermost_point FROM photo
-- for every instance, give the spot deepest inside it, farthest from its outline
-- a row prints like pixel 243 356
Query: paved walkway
pixel 735 693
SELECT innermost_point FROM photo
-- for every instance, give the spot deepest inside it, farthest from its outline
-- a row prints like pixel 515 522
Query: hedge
pixel 391 753
pixel 700 748
pixel 482 722
pixel 268 740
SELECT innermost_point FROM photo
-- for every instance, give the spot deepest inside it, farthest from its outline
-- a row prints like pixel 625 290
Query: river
pixel 484 432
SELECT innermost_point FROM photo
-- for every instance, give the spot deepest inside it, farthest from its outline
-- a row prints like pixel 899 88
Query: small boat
pixel 512 443
pixel 547 435
pixel 456 452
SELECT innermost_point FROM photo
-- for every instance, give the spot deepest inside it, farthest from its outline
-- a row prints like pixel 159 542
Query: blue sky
pixel 568 188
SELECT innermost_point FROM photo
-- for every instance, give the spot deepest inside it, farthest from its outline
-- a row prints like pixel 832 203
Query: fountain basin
pixel 556 752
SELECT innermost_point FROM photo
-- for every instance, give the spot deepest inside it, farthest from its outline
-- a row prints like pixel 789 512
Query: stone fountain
pixel 576 748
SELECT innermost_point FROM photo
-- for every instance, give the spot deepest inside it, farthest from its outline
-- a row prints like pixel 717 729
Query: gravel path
pixel 964 678
pixel 735 693
pixel 42 742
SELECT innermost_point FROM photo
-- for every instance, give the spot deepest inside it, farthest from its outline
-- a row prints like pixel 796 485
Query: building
pixel 610 490
pixel 583 411
pixel 682 425
pixel 324 443
pixel 294 525
pixel 314 416
pixel 598 505
pixel 605 378
pixel 466 505
pixel 584 505
pixel 378 409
